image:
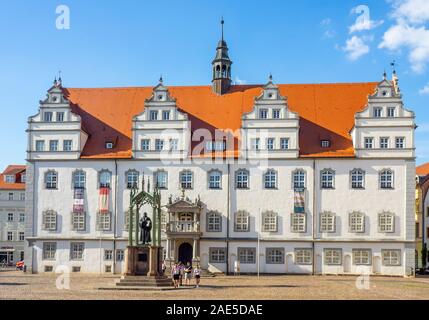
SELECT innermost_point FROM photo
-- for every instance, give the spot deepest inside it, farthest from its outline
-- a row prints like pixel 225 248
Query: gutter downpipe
pixel 314 216
pixel 227 220
pixel 115 212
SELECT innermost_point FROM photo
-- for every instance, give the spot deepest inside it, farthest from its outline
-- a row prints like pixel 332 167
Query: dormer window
pixel 154 115
pixel 9 179
pixel 325 143
pixel 47 117
pixel 60 116
pixel 109 145
pixel 160 97
pixel 377 112
pixel 276 113
pixel 391 112
pixel 166 115
pixel 263 114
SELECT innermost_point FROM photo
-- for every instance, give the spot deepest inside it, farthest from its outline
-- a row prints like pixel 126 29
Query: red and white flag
pixel 103 201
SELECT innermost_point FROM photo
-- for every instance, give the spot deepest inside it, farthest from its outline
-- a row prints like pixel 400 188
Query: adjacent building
pixel 422 215
pixel 283 178
pixel 12 214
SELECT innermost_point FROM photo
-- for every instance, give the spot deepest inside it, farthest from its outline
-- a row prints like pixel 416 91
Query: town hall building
pixel 283 178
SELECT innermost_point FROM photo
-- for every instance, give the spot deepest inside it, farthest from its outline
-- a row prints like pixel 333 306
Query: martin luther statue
pixel 145 229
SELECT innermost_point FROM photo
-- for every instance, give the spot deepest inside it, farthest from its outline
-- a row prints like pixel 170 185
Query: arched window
pixel 223 71
pixel 299 179
pixel 356 222
pixel 186 179
pixel 242 179
pixel 132 179
pixel 79 179
pixel 104 178
pixel 327 179
pixel 215 179
pixel 269 221
pixel 386 179
pixel 214 221
pixel 357 177
pixel 270 179
pixel 218 71
pixel 51 179
pixel 241 223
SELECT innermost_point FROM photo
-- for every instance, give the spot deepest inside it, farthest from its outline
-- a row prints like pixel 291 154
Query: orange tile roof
pixel 326 112
pixel 423 170
pixel 12 170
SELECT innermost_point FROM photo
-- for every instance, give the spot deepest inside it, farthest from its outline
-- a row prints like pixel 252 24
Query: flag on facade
pixel 299 203
pixel 103 202
pixel 78 201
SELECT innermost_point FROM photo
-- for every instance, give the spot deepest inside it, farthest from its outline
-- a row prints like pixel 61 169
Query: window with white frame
pixel 276 113
pixel 174 144
pixel 384 143
pixel 159 144
pixel 22 196
pixel 270 179
pixel 186 179
pixel 49 250
pixel 145 144
pixel 357 177
pixel 60 116
pixel 9 179
pixel 377 112
pixel 327 222
pixel 79 179
pixel 67 145
pixel 120 254
pixel 47 116
pixel 303 256
pixel 215 178
pixel 49 220
pixel 391 112
pixel 104 178
pixel 298 222
pixel 154 115
pixel 246 255
pixel 242 179
pixel 356 222
pixel 10 216
pixel 270 144
pixel 166 115
pixel 53 145
pixel 161 179
pixel 76 250
pixel 327 179
pixel 78 221
pixel 108 254
pixel 386 222
pixel 9 236
pixel 284 143
pixel 275 255
pixel 299 179
pixel 399 142
pixel 11 197
pixel 217 255
pixel 255 144
pixel 332 256
pixel 51 179
pixel 368 143
pixel 325 143
pixel 214 221
pixel 132 179
pixel 21 236
pixel 269 221
pixel 361 256
pixel 40 145
pixel 104 221
pixel 391 257
pixel 386 179
pixel 263 113
pixel 22 217
pixel 241 222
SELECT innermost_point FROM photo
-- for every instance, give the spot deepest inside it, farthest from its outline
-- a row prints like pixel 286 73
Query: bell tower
pixel 221 81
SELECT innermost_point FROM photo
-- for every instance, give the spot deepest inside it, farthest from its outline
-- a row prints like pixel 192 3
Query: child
pixel 197 274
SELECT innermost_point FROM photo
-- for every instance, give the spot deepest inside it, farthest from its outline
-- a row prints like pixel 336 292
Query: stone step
pixel 142 284
pixel 143 281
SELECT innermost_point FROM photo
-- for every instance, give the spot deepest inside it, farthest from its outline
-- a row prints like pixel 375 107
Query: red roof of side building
pixel 326 111
pixel 12 170
pixel 423 170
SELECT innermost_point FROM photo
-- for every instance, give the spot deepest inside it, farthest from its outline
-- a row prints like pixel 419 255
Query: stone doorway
pixel 185 253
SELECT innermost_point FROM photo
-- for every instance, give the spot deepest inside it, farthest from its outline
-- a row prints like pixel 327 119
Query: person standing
pixel 197 275
pixel 175 271
pixel 163 268
pixel 181 271
pixel 188 274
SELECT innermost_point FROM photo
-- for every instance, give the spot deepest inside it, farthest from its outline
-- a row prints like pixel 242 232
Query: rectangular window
pixel 9 179
pixel 10 196
pixel 215 180
pixel 50 221
pixel 174 144
pixel 159 145
pixel 22 196
pixel 22 217
pixel 40 145
pixel 166 115
pixel 60 116
pixel 357 223
pixel 145 144
pixel 67 145
pixel 53 145
pixel 161 179
pixel 391 257
pixel 369 143
pixel 333 256
pixel 217 255
pixel 78 221
pixel 186 180
pixel 154 115
pixel 214 222
pixel 386 223
pixel 242 179
pixel 298 223
pixel 327 223
pixel 104 221
pixel 325 143
pixel 276 113
pixel 361 256
pixel 255 144
pixel 284 143
pixel 108 255
pixel 21 236
pixel 303 256
pixel 275 255
pixel 9 236
pixel 10 217
pixel 269 222
pixel 391 112
pixel 47 117
pixel 120 255
pixel 270 144
pixel 49 250
pixel 76 250
pixel 400 143
pixel 263 113
pixel 241 221
pixel 378 112
pixel 384 143
pixel 247 255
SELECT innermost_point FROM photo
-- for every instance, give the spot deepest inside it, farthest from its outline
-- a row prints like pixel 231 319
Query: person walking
pixel 197 275
pixel 175 271
pixel 188 274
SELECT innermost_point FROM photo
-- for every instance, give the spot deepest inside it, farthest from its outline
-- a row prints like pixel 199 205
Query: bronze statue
pixel 145 228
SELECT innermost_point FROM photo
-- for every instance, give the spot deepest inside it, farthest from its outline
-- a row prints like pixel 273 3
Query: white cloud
pixel 425 91
pixel 411 11
pixel 356 48
pixel 240 81
pixel 326 22
pixel 329 34
pixel 363 21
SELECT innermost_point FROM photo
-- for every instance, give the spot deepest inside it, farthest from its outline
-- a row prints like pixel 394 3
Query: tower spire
pixel 221 66
pixel 222 22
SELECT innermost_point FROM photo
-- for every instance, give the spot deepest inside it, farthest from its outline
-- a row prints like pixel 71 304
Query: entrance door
pixel 376 265
pixel 3 257
pixel 185 253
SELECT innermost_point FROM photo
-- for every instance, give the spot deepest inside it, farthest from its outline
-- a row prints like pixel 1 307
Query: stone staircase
pixel 144 281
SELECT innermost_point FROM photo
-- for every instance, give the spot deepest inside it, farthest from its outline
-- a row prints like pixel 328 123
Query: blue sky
pixel 130 43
